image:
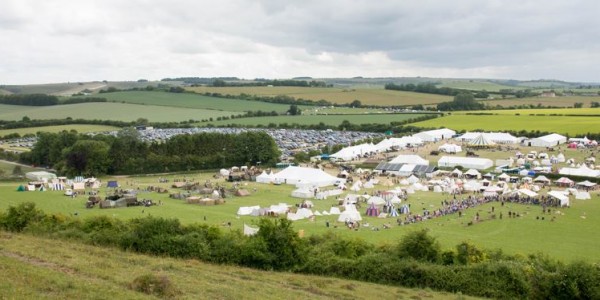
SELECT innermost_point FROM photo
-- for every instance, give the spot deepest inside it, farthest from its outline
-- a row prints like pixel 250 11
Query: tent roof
pixel 409 159
pixel 481 141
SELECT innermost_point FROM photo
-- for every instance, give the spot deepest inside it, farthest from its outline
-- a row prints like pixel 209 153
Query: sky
pixel 69 41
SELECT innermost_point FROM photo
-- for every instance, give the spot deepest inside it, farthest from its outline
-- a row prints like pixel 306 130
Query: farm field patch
pixel 571 125
pixel 189 100
pixel 367 96
pixel 332 120
pixel 109 111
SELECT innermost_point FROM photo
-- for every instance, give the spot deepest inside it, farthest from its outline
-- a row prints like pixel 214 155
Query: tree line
pixel 76 154
pixel 417 260
pixel 44 100
pixel 264 82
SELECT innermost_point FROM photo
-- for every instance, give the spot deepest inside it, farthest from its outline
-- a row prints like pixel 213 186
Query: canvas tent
pixel 582 171
pixel 496 137
pixel 564 199
pixel 481 142
pixel 450 148
pixel 435 135
pixel 352 152
pixel 409 159
pixel 350 214
pixel 465 162
pixel 264 177
pixel 40 176
pixel 249 231
pixel 550 140
pixel 306 177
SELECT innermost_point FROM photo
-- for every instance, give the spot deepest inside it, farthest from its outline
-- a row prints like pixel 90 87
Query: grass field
pixel 109 111
pixel 81 128
pixel 544 111
pixel 316 119
pixel 69 270
pixel 8 167
pixel 569 237
pixel 192 101
pixel 572 125
pixel 368 96
pixel 567 101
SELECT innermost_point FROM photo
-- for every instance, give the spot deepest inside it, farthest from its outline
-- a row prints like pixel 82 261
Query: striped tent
pixel 372 211
pixel 481 142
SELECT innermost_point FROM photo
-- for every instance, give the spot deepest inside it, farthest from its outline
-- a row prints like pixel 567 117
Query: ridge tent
pixel 40 176
pixel 465 162
pixel 249 231
pixel 409 159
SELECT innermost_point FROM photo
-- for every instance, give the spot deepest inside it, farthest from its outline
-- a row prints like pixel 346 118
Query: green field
pixel 8 167
pixel 81 128
pixel 332 120
pixel 188 100
pixel 368 96
pixel 71 270
pixel 569 237
pixel 544 111
pixel 567 101
pixel 572 125
pixel 109 111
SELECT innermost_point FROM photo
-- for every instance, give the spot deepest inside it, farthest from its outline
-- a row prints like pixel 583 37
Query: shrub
pixel 19 217
pixel 420 246
pixel 154 285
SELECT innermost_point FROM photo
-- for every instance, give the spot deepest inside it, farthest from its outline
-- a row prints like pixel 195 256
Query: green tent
pixel 21 188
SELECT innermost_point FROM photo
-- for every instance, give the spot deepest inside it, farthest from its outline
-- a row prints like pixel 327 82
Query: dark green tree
pixel 294 110
pixel 87 157
pixel 420 246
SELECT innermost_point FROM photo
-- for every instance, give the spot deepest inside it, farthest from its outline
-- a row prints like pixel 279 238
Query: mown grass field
pixel 69 270
pixel 567 101
pixel 8 167
pixel 367 96
pixel 572 125
pixel 109 111
pixel 81 128
pixel 188 100
pixel 571 236
pixel 316 119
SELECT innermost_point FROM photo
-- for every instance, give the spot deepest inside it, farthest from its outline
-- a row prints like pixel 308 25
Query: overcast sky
pixel 66 40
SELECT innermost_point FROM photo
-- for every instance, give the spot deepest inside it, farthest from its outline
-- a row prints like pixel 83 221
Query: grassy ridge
pixel 333 120
pixel 192 101
pixel 109 111
pixel 559 124
pixel 368 96
pixel 549 111
pixel 69 270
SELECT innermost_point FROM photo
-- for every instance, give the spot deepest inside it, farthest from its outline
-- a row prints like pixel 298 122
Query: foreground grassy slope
pixel 68 270
pixel 109 111
pixel 191 101
pixel 559 124
pixel 368 96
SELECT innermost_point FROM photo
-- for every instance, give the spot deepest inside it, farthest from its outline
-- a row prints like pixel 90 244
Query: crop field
pixel 544 111
pixel 572 125
pixel 72 270
pixel 567 101
pixel 81 128
pixel 570 236
pixel 368 96
pixel 188 100
pixel 109 111
pixel 475 84
pixel 333 120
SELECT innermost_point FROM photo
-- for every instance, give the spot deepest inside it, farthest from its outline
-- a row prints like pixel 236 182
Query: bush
pixel 18 218
pixel 154 285
pixel 420 246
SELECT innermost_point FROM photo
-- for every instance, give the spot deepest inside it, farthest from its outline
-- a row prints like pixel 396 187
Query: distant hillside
pixel 69 270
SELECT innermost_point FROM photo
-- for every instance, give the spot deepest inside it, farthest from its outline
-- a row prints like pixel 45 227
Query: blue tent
pixel 112 184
